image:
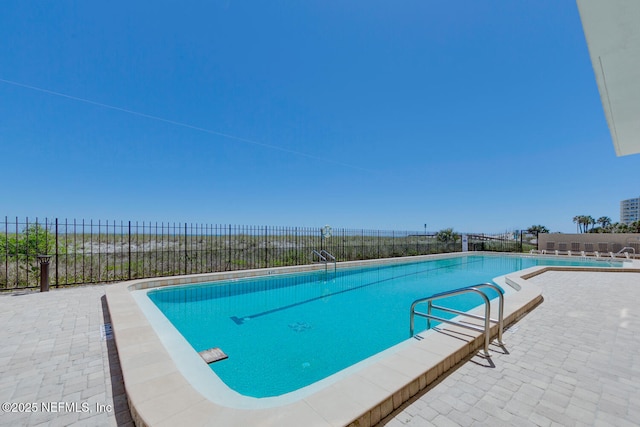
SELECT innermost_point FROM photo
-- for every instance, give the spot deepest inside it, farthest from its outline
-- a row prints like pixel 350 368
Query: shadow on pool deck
pixel 120 403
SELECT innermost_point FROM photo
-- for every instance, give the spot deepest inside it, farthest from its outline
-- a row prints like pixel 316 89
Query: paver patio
pixel 574 360
pixel 55 349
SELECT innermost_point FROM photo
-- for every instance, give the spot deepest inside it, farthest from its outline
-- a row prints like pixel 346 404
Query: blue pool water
pixel 285 332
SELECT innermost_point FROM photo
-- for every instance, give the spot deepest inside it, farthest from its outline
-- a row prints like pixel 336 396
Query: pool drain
pixel 300 326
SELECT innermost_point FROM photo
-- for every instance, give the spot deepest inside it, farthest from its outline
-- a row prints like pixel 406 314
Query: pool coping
pixel 159 394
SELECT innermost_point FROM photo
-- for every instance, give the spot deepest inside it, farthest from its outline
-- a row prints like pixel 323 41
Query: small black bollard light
pixel 44 272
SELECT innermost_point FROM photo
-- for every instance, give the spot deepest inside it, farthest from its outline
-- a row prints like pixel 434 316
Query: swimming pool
pixel 286 332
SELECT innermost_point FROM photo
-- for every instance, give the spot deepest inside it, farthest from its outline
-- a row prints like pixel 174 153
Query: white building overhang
pixel 612 31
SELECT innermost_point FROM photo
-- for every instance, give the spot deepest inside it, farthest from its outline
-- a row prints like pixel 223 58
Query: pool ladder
pixel 324 257
pixel 624 251
pixel 467 290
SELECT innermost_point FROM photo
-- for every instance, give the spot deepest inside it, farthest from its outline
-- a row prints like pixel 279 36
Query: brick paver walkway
pixel 573 361
pixel 58 367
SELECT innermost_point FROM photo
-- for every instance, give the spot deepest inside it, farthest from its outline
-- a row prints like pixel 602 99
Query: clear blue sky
pixel 479 115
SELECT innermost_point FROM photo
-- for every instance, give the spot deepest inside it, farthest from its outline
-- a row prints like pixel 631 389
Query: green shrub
pixel 33 240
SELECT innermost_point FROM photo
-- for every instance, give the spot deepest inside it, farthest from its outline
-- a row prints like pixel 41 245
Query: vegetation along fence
pixel 108 251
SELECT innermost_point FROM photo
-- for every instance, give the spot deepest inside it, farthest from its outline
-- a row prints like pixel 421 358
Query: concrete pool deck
pixel 54 350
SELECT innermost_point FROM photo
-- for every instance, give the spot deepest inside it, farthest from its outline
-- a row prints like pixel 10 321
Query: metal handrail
pixel 323 255
pixel 623 250
pixel 499 320
pixel 332 258
pixel 487 312
pixel 322 258
pixel 328 255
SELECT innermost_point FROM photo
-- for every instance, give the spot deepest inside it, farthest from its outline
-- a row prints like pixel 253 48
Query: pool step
pixel 213 355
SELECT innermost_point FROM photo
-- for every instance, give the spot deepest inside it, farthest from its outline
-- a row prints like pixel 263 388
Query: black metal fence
pixel 108 251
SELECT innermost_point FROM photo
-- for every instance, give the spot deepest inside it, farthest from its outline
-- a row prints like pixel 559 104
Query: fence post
pixel 393 243
pixel 129 227
pixel 521 247
pixel 185 248
pixel 44 272
pixel 6 252
pixel 266 249
pixel 57 256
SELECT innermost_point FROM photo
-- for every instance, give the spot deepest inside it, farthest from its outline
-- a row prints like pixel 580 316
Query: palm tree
pixel 536 229
pixel 577 220
pixel 583 222
pixel 447 235
pixel 580 221
pixel 604 221
pixel 620 227
pixel 588 221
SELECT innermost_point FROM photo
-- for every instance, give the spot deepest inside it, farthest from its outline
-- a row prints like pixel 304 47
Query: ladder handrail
pixel 633 250
pixel 322 258
pixel 328 255
pixel 499 320
pixel 469 289
pixel 323 255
